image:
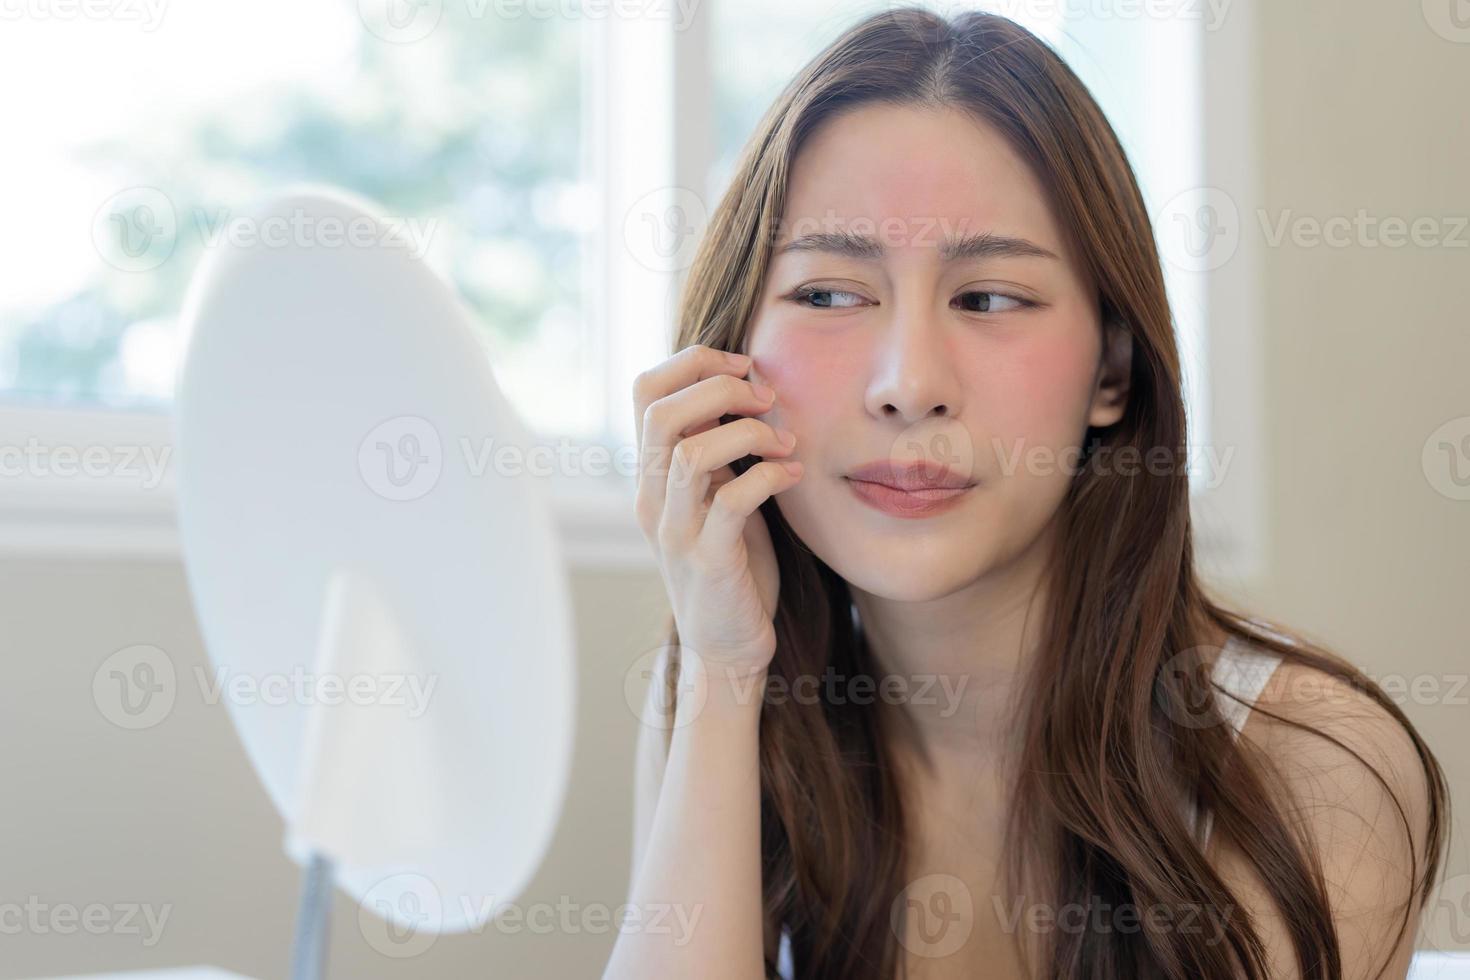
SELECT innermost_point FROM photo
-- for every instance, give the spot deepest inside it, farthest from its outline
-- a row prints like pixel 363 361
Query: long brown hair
pixel 1106 736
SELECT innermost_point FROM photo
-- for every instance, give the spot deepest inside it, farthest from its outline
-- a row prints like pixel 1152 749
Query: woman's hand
pixel 713 548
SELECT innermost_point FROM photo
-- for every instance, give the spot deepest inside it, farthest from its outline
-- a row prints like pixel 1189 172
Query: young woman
pixel 975 717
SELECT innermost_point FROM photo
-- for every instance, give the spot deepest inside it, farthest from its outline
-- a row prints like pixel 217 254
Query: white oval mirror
pixel 388 618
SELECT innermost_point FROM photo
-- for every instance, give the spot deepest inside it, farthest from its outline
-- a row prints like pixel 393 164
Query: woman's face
pixel 985 360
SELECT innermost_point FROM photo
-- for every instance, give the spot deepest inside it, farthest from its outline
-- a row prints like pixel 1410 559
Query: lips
pixel 911 476
pixel 908 490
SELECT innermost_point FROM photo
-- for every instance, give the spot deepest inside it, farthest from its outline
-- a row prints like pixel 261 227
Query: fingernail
pixel 788 438
pixel 764 393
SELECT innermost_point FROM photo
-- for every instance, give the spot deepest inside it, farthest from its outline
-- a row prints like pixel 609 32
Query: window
pixel 153 134
pixel 557 161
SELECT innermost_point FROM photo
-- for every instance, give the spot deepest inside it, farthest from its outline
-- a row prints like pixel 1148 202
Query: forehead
pixel 943 169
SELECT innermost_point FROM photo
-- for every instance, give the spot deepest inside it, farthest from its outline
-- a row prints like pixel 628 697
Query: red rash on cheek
pixel 1035 385
pixel 811 372
pixel 1046 389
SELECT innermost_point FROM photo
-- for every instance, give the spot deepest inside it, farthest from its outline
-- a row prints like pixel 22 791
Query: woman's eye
pixel 973 301
pixel 824 298
pixel 979 301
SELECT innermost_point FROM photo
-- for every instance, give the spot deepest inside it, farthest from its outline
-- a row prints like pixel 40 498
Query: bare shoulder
pixel 1349 776
pixel 1340 751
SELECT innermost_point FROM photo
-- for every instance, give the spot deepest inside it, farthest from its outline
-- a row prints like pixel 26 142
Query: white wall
pixel 173 815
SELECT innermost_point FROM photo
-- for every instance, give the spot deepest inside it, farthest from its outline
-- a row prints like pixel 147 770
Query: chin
pixel 902 570
pixel 911 561
pixel 912 578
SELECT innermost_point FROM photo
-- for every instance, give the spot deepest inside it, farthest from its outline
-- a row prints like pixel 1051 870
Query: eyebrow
pixel 979 246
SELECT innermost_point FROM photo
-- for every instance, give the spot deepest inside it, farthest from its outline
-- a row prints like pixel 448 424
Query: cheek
pixel 811 375
pixel 1039 390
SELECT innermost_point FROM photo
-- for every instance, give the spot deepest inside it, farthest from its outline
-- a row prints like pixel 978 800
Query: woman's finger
pixel 734 502
pixel 697 407
pixel 692 364
pixel 697 457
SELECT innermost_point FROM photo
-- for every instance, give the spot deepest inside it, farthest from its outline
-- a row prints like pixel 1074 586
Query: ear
pixel 1114 368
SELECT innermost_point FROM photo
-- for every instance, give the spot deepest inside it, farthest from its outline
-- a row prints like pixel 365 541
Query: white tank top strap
pixel 1243 672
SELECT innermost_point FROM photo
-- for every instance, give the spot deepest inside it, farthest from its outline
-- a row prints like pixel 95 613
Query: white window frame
pixel 636 153
pixel 1231 520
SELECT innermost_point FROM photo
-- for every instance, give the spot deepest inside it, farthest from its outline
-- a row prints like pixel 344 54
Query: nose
pixel 913 374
